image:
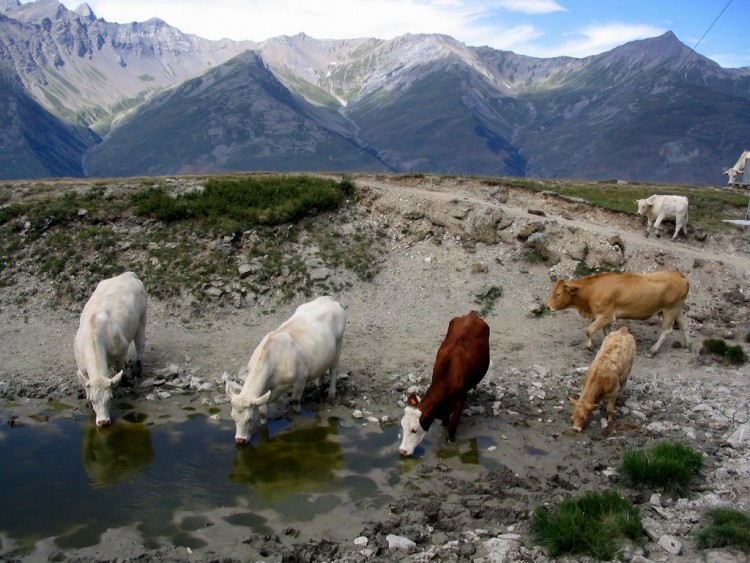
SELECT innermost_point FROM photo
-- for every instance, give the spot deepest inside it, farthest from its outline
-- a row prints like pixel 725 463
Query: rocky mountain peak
pixel 85 12
pixel 664 49
pixel 8 5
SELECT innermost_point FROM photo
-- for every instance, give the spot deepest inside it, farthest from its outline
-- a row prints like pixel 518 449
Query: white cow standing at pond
pixel 304 347
pixel 112 318
pixel 659 207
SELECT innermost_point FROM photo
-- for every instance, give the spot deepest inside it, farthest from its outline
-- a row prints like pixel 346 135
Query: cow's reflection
pixel 294 461
pixel 120 451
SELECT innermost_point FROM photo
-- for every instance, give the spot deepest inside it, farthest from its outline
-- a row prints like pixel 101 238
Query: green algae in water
pixel 214 410
pixel 58 406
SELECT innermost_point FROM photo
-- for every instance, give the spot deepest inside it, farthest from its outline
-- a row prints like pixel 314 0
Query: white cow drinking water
pixel 304 347
pixel 737 169
pixel 112 318
pixel 659 207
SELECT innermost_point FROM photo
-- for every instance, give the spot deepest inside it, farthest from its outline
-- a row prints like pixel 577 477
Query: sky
pixel 538 28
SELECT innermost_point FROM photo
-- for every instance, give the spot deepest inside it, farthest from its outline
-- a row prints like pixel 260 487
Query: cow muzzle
pixel 240 441
pixel 103 422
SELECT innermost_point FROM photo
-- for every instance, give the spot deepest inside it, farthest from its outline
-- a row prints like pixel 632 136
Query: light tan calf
pixel 604 298
pixel 605 378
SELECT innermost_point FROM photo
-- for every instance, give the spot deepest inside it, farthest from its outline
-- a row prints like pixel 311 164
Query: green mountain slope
pixel 235 117
pixel 36 144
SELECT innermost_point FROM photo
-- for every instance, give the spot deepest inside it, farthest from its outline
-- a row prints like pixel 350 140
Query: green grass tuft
pixel 667 466
pixel 732 354
pixel 593 524
pixel 488 299
pixel 730 528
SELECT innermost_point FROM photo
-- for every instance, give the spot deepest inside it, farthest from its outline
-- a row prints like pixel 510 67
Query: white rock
pixel 399 542
pixel 361 541
pixel 670 544
pixel 740 438
pixel 357 414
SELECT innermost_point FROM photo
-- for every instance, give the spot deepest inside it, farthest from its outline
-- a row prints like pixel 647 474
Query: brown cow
pixel 603 298
pixel 461 362
pixel 605 378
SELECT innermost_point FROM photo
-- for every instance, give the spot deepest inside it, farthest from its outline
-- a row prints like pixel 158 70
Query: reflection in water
pixel 294 461
pixel 113 453
pixel 454 449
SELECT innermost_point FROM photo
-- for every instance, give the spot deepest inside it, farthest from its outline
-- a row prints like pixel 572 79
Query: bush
pixel 592 524
pixel 487 300
pixel 730 528
pixel 716 346
pixel 667 466
pixel 732 354
pixel 237 204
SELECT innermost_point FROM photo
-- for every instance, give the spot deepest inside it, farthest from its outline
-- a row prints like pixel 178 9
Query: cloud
pixel 595 39
pixel 530 6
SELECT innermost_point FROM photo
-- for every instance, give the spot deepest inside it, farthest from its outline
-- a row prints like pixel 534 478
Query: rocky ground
pixel 450 242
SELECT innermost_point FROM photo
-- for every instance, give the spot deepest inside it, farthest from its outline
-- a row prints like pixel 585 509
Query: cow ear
pixel 413 400
pixel 116 379
pixel 229 390
pixel 573 401
pixel 573 290
pixel 82 378
pixel 263 399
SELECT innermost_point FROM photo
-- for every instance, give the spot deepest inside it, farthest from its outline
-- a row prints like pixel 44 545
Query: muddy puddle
pixel 65 482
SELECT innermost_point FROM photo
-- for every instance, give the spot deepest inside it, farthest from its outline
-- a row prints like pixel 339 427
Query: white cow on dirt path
pixel 113 317
pixel 304 347
pixel 659 207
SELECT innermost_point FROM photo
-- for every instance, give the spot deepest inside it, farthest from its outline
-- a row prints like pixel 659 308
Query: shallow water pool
pixel 69 480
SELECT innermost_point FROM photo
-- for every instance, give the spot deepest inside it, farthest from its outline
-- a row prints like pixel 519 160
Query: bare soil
pixel 441 256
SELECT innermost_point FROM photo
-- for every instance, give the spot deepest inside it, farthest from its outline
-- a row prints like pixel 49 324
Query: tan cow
pixel 605 378
pixel 603 298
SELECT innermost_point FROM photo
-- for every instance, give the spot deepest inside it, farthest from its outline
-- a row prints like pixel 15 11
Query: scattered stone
pixel 399 542
pixel 670 544
pixel 357 414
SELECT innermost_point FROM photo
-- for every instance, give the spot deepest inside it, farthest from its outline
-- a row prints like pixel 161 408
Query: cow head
pixel 731 174
pixel 581 413
pixel 561 296
pixel 244 412
pixel 413 433
pixel 644 206
pixel 99 394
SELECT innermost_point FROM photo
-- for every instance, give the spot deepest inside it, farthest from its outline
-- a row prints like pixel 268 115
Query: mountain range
pixel 80 96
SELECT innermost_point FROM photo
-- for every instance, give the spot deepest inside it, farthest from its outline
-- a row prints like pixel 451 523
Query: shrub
pixel 716 346
pixel 729 528
pixel 487 300
pixel 592 524
pixel 732 354
pixel 667 466
pixel 736 355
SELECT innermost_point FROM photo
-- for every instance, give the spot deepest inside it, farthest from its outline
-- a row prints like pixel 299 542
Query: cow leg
pixel 667 321
pixel 611 406
pixel 600 322
pixel 657 223
pixel 453 424
pixel 649 224
pixel 334 372
pixel 682 325
pixel 140 346
pixel 299 388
